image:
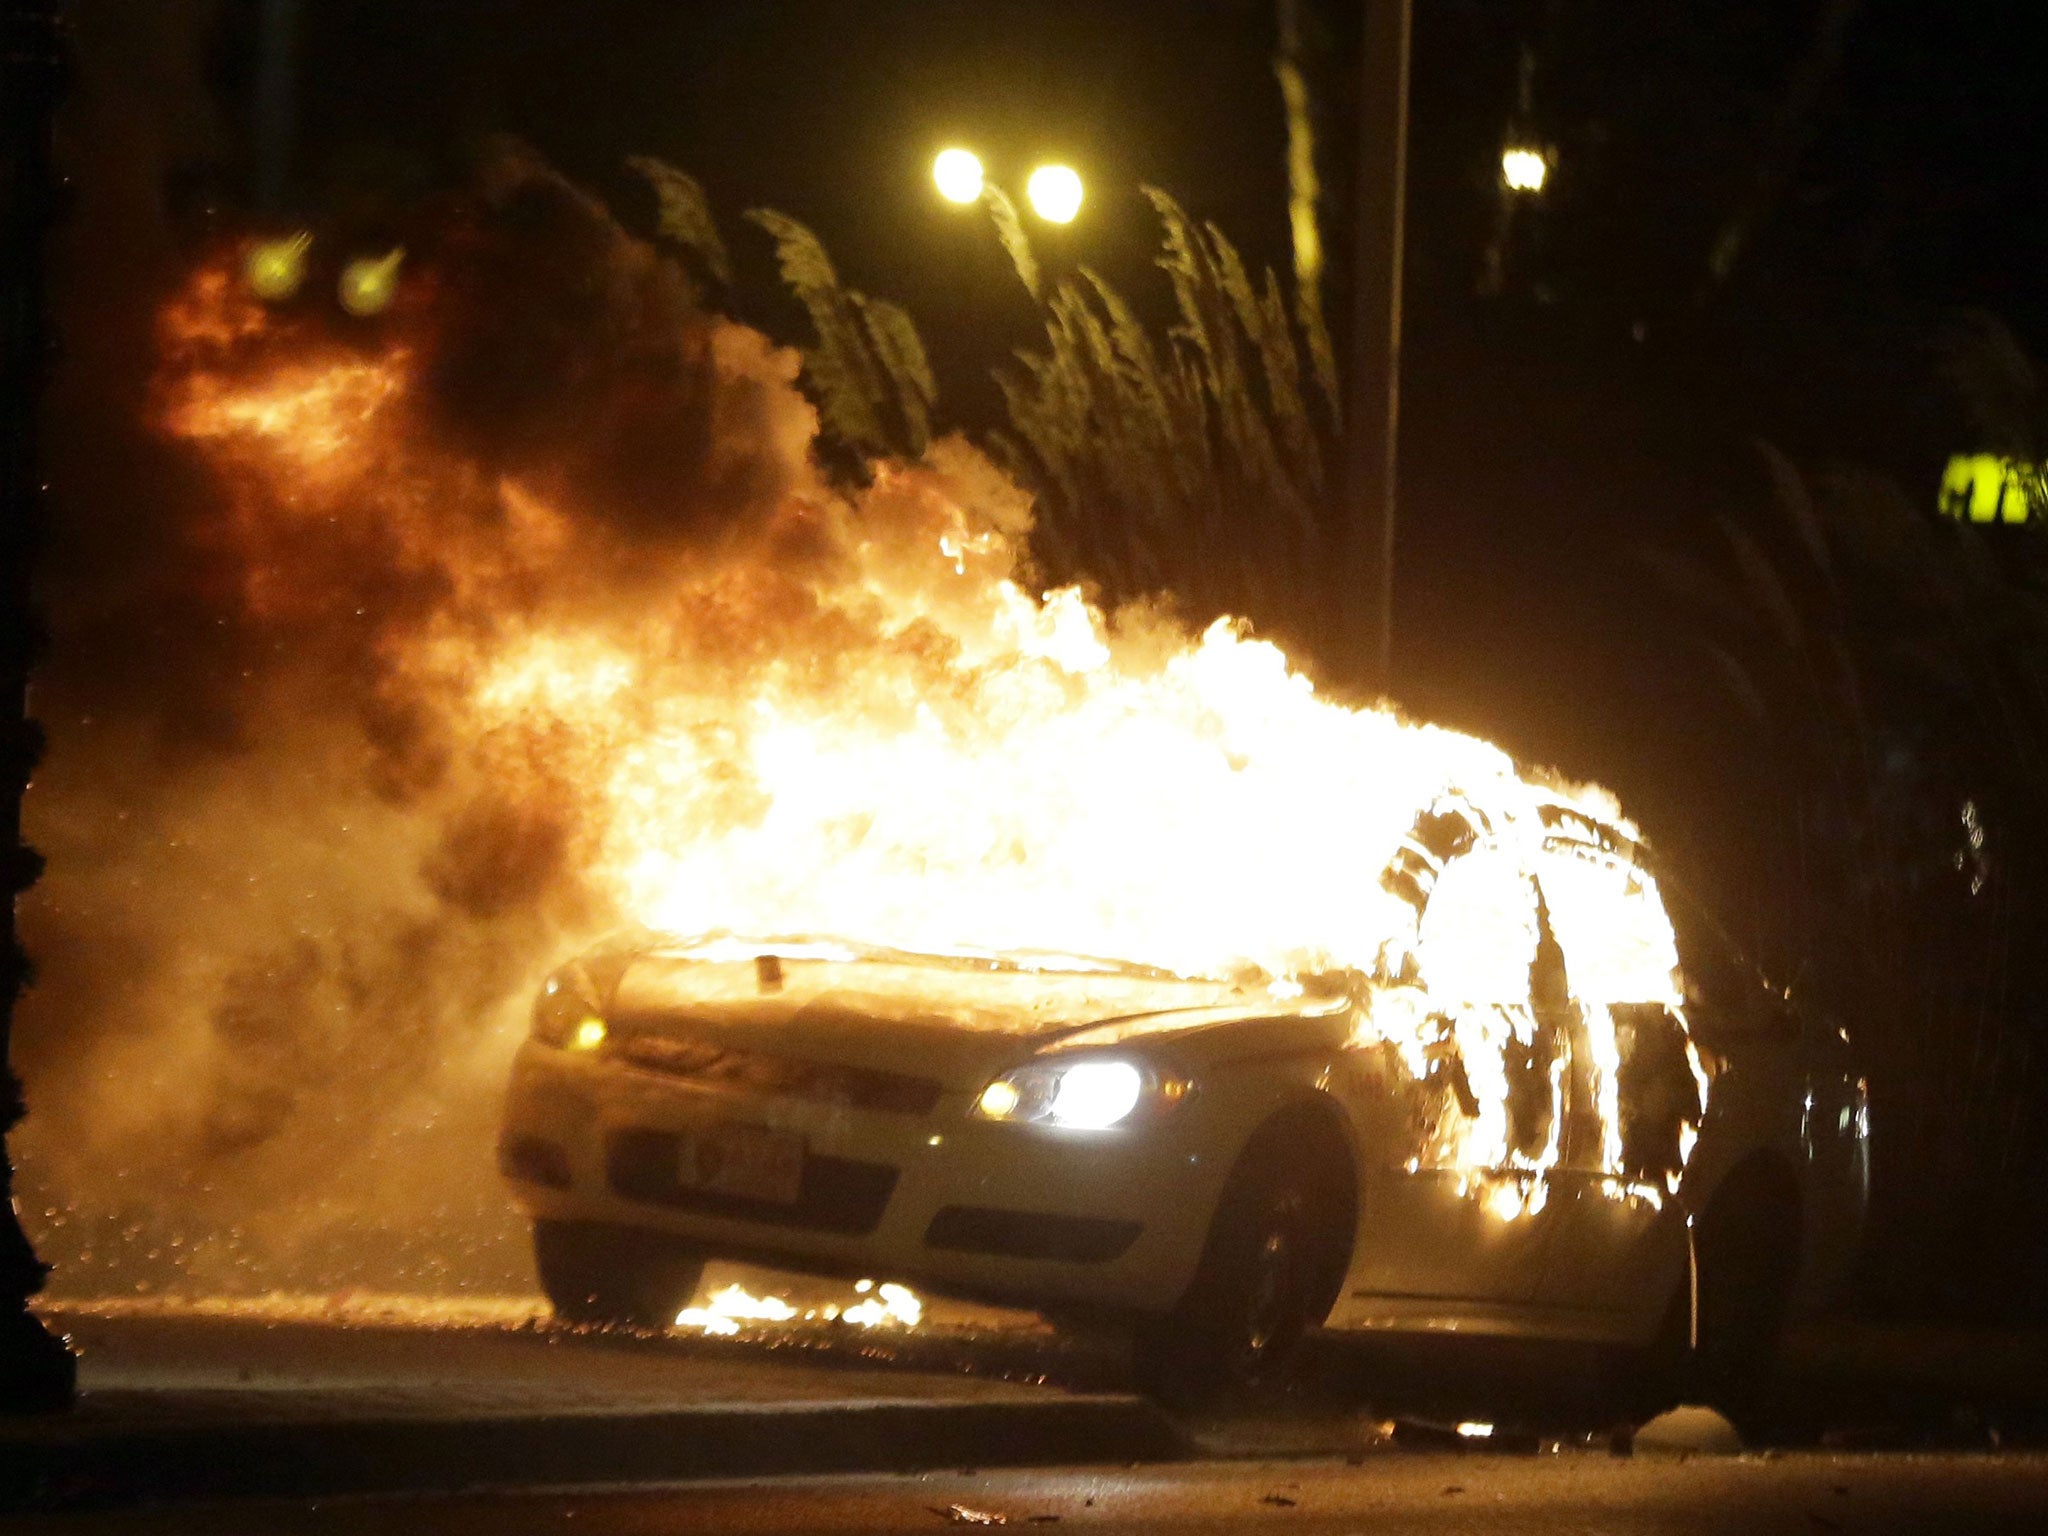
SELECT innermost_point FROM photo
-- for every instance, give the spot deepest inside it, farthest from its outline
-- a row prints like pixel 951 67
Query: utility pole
pixel 276 114
pixel 1373 412
pixel 37 1373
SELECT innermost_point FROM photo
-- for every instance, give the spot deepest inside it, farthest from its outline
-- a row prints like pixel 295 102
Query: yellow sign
pixel 1986 488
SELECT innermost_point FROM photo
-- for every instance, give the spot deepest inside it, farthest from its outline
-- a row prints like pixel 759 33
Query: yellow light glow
pixel 1524 169
pixel 369 283
pixel 1055 193
pixel 275 269
pixel 999 1100
pixel 1986 488
pixel 1474 1429
pixel 588 1035
pixel 958 174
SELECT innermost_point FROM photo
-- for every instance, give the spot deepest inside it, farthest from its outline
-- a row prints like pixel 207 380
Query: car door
pixel 1636 1094
pixel 1456 1208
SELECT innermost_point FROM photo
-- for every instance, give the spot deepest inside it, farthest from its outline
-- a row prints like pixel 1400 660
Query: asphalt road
pixel 404 1354
pixel 301 1355
pixel 1392 1494
pixel 387 1408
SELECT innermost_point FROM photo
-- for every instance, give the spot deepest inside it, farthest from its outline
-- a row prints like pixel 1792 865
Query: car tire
pixel 614 1276
pixel 1269 1272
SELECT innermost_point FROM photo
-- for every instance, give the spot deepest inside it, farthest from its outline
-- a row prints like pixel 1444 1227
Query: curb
pixel 58 1464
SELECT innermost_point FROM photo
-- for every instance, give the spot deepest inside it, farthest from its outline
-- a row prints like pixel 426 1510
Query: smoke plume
pixel 297 891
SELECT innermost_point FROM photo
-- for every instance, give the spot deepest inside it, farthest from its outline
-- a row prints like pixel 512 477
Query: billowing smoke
pixel 296 894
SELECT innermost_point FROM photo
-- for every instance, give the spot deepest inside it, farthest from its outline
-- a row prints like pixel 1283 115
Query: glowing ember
pixel 888 1305
pixel 891 1304
pixel 727 1309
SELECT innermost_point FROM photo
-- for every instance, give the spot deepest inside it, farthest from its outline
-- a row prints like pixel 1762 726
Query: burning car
pixel 1524 1118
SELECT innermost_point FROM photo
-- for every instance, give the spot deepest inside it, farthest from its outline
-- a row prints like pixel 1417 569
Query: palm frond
pixel 1010 231
pixel 867 370
pixel 1186 459
pixel 685 214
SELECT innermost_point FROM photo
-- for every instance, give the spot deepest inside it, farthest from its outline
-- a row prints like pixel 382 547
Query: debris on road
pixel 1688 1430
pixel 961 1514
pixel 1465 1435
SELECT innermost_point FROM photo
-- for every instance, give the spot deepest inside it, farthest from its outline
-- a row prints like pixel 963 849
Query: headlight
pixel 1090 1094
pixel 570 1012
pixel 567 1014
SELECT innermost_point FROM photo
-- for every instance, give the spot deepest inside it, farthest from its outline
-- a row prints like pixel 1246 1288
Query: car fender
pixel 1771 1100
pixel 1249 1075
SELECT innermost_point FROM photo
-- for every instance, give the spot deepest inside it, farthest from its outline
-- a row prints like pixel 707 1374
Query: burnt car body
pixel 1224 1163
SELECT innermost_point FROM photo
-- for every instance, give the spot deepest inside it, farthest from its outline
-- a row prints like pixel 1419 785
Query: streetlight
pixel 1055 193
pixel 369 283
pixel 1524 168
pixel 275 268
pixel 958 174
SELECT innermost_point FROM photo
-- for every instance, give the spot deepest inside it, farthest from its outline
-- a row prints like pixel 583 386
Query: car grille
pixel 837 1194
pixel 1030 1234
pixel 702 1061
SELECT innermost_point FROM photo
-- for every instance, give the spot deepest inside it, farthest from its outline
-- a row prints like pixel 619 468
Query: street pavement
pixel 450 1406
pixel 301 1395
pixel 298 1356
pixel 1388 1494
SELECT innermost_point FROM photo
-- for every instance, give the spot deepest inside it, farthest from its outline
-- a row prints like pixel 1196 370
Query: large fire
pixel 863 722
pixel 816 711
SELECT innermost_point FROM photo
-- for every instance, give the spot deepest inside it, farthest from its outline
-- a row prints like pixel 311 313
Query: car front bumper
pixel 1113 1219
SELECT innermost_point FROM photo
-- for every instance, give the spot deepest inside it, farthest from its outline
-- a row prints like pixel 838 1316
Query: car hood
pixel 953 1021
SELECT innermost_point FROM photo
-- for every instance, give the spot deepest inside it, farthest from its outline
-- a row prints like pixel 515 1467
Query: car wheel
pixel 614 1275
pixel 1271 1267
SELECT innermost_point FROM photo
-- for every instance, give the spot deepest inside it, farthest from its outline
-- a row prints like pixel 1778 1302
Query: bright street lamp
pixel 1055 193
pixel 369 283
pixel 1524 169
pixel 958 174
pixel 275 269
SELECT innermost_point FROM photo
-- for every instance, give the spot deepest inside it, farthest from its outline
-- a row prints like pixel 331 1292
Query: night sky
pixel 1915 182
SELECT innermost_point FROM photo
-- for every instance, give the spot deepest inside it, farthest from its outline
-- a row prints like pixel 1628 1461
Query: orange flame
pixel 858 716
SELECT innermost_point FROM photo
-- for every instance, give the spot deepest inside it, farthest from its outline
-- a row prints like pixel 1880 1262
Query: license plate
pixel 751 1162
